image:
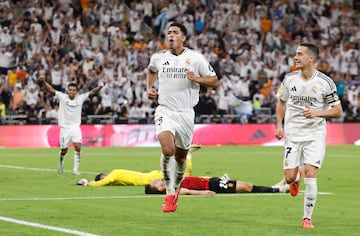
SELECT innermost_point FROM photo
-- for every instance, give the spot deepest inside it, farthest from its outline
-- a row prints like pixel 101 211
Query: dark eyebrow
pixel 174 30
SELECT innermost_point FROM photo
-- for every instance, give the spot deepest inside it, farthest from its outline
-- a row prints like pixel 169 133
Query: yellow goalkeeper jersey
pixel 134 178
pixel 127 178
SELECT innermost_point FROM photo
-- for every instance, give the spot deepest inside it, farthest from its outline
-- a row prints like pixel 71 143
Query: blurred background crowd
pixel 250 44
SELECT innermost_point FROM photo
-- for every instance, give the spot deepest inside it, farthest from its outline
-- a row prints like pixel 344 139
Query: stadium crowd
pixel 250 44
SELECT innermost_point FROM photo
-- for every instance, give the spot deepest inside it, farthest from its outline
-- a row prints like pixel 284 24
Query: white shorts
pixel 70 135
pixel 179 123
pixel 305 152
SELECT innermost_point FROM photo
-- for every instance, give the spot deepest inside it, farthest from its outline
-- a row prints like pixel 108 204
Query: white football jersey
pixel 70 110
pixel 175 90
pixel 318 93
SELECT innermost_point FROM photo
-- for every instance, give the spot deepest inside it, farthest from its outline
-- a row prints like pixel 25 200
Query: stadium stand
pixel 250 44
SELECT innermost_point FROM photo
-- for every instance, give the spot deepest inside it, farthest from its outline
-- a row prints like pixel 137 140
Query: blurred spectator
pixel 12 78
pixel 147 111
pixel 53 113
pixel 113 39
pixel 160 21
pixel 56 77
pixel 31 117
pixel 106 101
pixel 223 104
pixel 135 112
pixel 6 36
pixel 93 107
pixel 7 59
pixel 31 97
pixel 353 96
pixel 5 94
pixel 2 109
pixel 17 99
pixel 347 108
pixel 340 84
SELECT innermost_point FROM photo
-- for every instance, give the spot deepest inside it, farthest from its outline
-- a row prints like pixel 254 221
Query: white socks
pixel 179 174
pixel 310 196
pixel 167 164
pixel 77 156
pixel 173 173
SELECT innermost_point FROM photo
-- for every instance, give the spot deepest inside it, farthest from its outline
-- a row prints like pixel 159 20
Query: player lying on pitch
pixel 121 177
pixel 192 185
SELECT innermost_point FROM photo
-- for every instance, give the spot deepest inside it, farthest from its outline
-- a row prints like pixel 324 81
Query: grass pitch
pixel 35 200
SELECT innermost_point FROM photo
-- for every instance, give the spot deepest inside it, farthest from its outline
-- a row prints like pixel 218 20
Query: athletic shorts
pixel 222 186
pixel 179 123
pixel 69 135
pixel 304 152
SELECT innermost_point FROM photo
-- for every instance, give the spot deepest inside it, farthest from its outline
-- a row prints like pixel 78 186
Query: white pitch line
pixel 90 172
pixel 49 227
pixel 41 169
pixel 77 198
pixel 151 196
pixel 124 197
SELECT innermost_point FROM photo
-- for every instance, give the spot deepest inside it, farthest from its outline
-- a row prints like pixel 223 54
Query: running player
pixel 307 98
pixel 180 72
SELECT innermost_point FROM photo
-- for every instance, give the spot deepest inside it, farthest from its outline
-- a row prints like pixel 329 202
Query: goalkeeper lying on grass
pixel 121 177
pixel 190 185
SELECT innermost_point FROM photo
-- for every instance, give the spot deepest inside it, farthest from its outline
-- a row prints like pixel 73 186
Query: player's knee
pixel 180 159
pixel 168 151
pixel 290 178
pixel 310 171
pixel 63 152
pixel 290 175
pixel 77 147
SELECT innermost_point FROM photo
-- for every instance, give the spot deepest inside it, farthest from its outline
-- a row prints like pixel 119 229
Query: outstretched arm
pixel 48 87
pixel 185 191
pixel 97 89
pixel 103 182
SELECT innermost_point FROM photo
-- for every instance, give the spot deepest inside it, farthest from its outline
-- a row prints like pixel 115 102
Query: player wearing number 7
pixel 306 98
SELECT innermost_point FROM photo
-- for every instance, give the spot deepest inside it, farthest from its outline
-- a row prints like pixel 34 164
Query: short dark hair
pixel 152 190
pixel 181 26
pixel 72 84
pixel 98 176
pixel 313 49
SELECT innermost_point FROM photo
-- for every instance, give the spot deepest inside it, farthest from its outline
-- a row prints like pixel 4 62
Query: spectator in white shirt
pixel 106 101
pixel 31 96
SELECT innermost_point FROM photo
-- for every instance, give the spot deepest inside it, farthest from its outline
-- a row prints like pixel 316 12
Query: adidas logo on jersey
pixel 293 89
pixel 166 63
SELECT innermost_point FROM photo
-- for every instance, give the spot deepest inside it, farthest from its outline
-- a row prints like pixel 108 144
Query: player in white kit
pixel 70 106
pixel 180 72
pixel 307 97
